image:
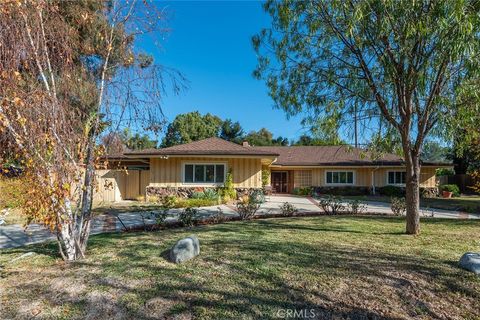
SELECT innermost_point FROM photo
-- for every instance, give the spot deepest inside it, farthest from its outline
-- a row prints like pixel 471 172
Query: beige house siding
pixel 362 176
pixel 247 172
pixel 118 185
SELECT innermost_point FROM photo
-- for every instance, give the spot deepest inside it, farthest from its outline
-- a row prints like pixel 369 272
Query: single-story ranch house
pixel 183 169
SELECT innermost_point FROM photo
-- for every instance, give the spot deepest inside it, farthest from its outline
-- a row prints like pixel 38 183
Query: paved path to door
pixel 15 235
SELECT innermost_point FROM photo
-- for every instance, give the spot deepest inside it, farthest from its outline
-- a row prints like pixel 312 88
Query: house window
pixel 204 173
pixel 339 177
pixel 302 178
pixel 397 177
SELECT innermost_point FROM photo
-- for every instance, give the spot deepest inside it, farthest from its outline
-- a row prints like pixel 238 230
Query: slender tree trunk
pixel 68 233
pixel 413 194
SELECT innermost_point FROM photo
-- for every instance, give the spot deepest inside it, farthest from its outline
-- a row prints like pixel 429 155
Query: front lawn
pixel 470 204
pixel 341 266
pixel 12 193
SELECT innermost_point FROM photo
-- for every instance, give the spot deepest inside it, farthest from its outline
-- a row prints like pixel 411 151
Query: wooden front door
pixel 280 181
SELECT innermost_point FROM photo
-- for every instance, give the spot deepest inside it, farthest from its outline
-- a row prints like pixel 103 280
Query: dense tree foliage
pixel 231 131
pixel 194 126
pixel 410 66
pixel 118 142
pixel 190 127
pixel 263 137
pixel 433 151
pixel 310 140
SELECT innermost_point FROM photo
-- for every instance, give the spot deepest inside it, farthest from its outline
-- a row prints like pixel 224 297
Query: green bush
pixel 265 177
pixel 398 206
pixel 187 217
pixel 247 209
pixel 392 191
pixel 192 202
pixel 341 191
pixel 303 191
pixel 207 194
pixel 444 172
pixel 257 196
pixel 169 202
pixel 356 207
pixel 228 192
pixel 331 204
pixel 288 209
pixel 453 188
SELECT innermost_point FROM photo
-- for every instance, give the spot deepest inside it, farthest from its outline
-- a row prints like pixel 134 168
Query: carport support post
pixel 373 180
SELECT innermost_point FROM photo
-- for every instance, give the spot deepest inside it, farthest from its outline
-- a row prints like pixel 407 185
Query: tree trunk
pixel 413 194
pixel 73 235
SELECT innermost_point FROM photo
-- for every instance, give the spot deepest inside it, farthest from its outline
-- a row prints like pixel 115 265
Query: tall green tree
pixel 309 140
pixel 407 62
pixel 433 151
pixel 231 131
pixel 190 127
pixel 264 137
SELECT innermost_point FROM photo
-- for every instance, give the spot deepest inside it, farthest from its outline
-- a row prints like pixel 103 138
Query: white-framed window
pixel 396 177
pixel 339 177
pixel 204 173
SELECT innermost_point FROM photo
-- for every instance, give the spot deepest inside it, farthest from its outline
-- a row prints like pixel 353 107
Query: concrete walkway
pixel 15 236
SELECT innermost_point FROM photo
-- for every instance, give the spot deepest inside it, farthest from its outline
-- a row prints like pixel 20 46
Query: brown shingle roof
pixel 286 156
pixel 210 146
pixel 327 156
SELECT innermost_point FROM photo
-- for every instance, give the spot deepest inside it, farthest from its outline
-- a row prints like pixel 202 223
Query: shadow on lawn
pixel 244 270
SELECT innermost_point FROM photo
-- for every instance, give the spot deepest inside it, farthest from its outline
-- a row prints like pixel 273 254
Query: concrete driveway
pixel 16 236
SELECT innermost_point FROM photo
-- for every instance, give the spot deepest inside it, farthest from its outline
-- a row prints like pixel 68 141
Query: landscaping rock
pixel 471 261
pixel 185 249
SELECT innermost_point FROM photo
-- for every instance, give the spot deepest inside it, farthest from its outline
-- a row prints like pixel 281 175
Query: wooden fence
pixel 463 181
pixel 118 185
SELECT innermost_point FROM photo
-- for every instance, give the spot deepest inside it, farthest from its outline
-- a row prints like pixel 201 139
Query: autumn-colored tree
pixel 61 82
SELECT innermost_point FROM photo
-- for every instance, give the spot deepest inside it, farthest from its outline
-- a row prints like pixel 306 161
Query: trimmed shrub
pixel 356 207
pixel 398 206
pixel 392 191
pixel 246 210
pixel 257 196
pixel 249 205
pixel 191 202
pixel 341 190
pixel 288 209
pixel 218 217
pixel 453 188
pixel 428 192
pixel 332 205
pixel 303 191
pixel 187 216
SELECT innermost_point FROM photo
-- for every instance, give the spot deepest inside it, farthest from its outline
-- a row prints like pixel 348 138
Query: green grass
pixel 356 267
pixel 469 204
pixel 12 193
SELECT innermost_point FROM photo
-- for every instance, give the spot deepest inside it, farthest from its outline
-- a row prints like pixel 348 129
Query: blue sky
pixel 209 43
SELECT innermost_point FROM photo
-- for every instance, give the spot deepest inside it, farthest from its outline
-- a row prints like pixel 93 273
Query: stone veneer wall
pixel 187 192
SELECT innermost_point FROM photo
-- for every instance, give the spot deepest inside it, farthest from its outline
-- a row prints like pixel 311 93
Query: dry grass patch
pixel 344 267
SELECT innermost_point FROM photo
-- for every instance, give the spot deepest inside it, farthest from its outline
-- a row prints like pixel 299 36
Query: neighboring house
pixel 182 169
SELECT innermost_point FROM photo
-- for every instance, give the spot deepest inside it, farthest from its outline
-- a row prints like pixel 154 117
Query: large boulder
pixel 471 261
pixel 185 249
